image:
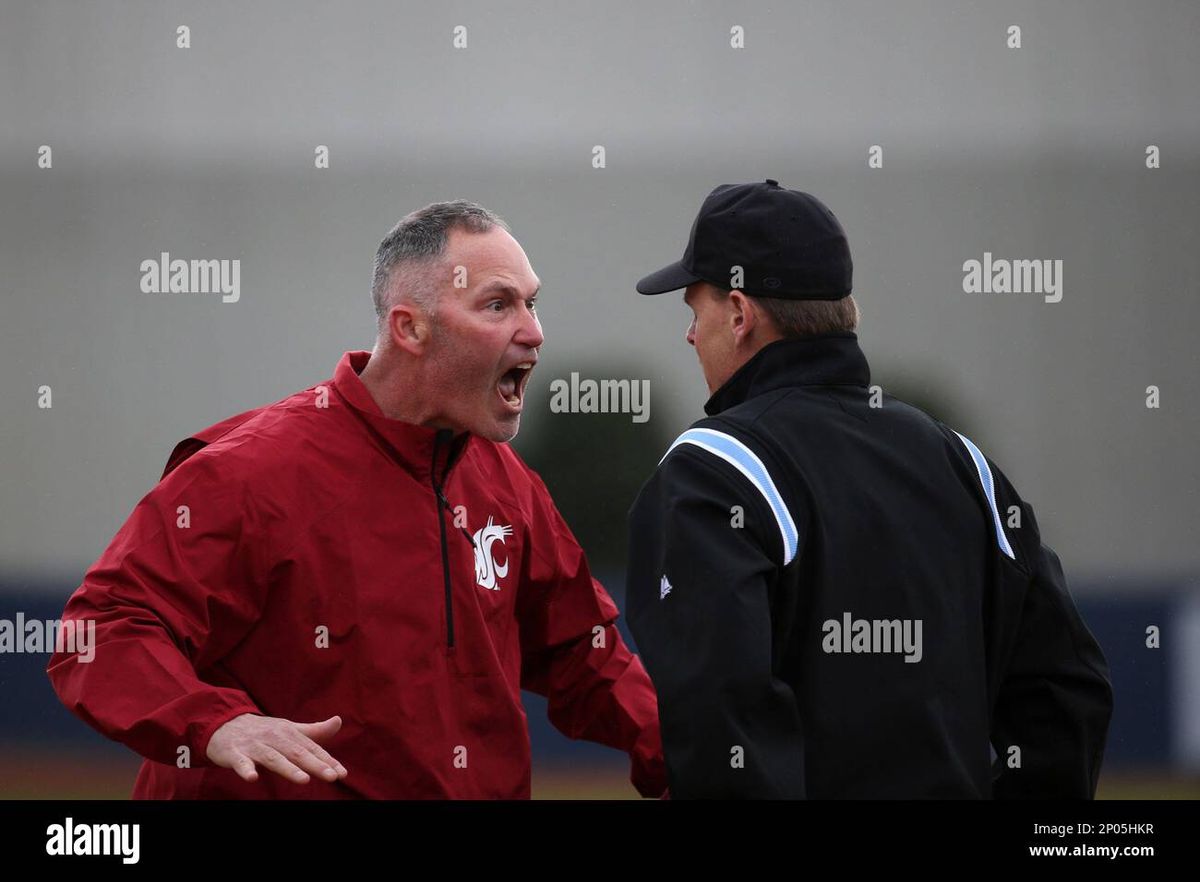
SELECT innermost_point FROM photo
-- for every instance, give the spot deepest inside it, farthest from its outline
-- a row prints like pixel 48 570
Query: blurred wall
pixel 208 152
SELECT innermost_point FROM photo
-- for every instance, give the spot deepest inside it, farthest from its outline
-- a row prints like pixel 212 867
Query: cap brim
pixel 669 278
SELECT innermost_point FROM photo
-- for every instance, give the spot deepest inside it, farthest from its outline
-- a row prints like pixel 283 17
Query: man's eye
pixel 496 305
pixel 533 305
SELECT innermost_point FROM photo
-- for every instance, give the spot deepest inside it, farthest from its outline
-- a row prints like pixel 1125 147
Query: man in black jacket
pixel 836 595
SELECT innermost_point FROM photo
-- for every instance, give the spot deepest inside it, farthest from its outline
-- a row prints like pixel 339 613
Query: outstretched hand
pixel 292 750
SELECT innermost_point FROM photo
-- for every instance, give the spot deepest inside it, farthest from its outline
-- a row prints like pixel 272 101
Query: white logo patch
pixel 487 571
pixel 664 587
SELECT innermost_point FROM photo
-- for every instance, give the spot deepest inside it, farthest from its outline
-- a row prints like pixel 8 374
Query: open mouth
pixel 511 387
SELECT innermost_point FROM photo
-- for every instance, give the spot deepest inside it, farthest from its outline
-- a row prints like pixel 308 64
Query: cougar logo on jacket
pixel 487 571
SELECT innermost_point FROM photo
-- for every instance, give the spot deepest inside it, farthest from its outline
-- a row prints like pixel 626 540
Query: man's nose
pixel 530 332
pixel 691 333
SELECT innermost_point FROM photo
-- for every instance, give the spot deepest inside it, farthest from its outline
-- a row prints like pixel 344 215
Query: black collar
pixel 821 360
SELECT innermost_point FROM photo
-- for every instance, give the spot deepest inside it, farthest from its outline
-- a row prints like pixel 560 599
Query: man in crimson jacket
pixel 351 587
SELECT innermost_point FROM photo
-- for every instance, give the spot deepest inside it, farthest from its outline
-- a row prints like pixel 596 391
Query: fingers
pixel 311 758
pixel 327 763
pixel 244 766
pixel 321 731
pixel 279 764
pixel 280 746
pixel 313 733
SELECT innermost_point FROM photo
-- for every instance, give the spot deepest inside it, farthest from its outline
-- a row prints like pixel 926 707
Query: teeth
pixel 526 365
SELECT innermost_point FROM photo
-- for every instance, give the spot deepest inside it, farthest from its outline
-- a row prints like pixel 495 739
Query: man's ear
pixel 743 316
pixel 408 327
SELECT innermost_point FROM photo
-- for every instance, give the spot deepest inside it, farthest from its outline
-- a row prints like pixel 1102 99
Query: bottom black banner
pixel 611 836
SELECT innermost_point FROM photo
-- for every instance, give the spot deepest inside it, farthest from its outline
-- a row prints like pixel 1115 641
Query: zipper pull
pixel 445 503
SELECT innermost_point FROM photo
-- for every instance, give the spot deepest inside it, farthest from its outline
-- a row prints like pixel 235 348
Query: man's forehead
pixel 493 258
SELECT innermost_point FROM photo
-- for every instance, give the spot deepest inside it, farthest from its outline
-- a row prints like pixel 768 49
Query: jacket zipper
pixel 442 503
pixel 443 506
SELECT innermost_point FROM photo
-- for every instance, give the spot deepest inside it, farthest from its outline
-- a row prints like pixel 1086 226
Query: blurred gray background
pixel 207 152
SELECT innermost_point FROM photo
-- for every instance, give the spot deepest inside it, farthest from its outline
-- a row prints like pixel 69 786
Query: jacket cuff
pixel 207 726
pixel 649 771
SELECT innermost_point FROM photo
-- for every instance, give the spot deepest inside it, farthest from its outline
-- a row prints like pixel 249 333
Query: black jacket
pixel 837 596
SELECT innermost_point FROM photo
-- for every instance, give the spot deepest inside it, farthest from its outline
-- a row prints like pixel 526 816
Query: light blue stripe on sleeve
pixel 989 490
pixel 744 459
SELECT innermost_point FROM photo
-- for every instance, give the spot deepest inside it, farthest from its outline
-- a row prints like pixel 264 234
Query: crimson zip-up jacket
pixel 314 557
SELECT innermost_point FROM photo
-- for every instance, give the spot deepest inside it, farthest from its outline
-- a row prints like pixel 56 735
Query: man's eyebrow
pixel 505 286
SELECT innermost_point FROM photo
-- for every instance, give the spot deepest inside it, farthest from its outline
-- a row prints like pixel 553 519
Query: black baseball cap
pixel 787 243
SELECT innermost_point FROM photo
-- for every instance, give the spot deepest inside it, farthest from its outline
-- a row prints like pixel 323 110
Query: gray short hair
pixel 408 254
pixel 806 318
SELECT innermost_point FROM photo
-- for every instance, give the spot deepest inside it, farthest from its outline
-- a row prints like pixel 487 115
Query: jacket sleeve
pixel 699 608
pixel 1054 698
pixel 574 656
pixel 178 587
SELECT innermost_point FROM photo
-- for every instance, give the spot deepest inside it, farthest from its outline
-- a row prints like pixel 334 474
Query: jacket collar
pixel 820 360
pixel 424 451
